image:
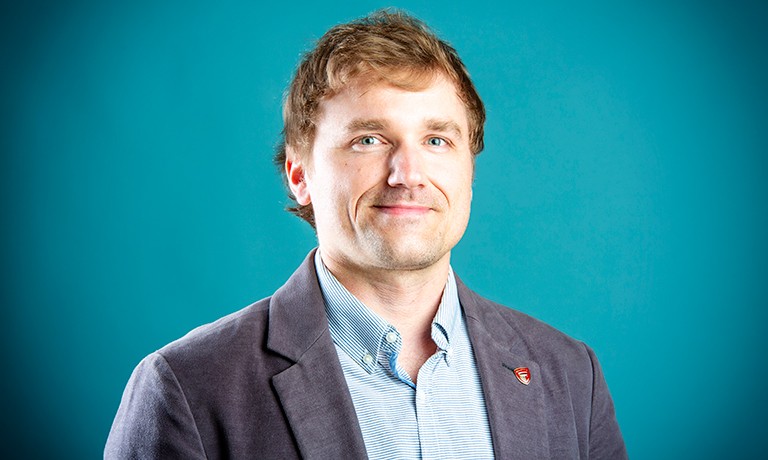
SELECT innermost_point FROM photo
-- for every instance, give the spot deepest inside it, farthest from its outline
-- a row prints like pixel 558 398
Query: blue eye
pixel 436 141
pixel 368 140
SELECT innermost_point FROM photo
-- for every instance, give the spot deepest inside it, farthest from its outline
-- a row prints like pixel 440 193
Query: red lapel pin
pixel 523 374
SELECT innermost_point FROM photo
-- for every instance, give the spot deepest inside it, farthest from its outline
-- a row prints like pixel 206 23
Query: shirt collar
pixel 360 332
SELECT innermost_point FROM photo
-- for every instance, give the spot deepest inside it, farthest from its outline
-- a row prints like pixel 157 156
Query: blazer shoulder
pixel 530 335
pixel 243 329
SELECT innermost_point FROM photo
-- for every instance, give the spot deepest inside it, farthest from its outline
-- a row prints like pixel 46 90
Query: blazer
pixel 265 382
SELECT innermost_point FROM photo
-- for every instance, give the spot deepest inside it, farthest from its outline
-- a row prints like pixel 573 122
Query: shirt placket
pixel 427 407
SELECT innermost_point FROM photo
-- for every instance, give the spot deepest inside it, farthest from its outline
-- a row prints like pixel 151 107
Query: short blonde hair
pixel 387 45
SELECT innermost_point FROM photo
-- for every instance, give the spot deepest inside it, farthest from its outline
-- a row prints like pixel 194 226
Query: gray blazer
pixel 265 382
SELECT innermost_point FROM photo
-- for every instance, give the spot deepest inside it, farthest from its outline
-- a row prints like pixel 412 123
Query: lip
pixel 403 209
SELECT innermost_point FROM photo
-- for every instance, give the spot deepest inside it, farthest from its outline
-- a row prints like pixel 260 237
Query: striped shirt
pixel 444 415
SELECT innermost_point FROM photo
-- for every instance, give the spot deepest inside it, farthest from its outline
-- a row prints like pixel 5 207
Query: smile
pixel 403 209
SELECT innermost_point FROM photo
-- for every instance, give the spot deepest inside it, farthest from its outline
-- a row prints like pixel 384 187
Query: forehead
pixel 365 100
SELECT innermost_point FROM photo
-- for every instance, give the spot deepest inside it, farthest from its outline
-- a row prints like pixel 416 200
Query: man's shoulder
pixel 527 334
pixel 525 323
pixel 243 329
pixel 240 339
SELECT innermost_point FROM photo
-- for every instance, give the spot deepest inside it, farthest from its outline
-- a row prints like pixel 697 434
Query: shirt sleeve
pixel 605 440
pixel 154 419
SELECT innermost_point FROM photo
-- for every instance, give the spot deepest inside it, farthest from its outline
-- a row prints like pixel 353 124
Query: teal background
pixel 621 196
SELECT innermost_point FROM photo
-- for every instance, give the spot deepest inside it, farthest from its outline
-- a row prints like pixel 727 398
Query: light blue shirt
pixel 441 417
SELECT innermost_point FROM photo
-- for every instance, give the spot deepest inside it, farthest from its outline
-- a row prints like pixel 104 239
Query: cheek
pixel 461 204
pixel 364 175
pixel 332 192
pixel 454 181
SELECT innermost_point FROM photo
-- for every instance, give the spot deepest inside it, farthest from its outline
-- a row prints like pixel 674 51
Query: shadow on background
pixel 621 196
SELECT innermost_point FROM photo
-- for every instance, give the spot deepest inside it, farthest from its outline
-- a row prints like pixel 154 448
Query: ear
pixel 295 171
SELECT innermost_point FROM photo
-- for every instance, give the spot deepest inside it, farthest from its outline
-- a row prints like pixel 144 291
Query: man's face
pixel 389 175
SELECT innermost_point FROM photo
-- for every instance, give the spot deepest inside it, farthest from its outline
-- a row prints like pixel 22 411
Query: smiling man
pixel 374 347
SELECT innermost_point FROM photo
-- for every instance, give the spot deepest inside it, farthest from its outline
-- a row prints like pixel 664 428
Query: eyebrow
pixel 441 125
pixel 432 124
pixel 360 124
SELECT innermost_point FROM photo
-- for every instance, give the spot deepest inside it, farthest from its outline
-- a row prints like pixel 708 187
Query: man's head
pixel 387 47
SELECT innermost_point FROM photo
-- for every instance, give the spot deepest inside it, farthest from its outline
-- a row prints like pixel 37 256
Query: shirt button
pixel 368 359
pixel 391 337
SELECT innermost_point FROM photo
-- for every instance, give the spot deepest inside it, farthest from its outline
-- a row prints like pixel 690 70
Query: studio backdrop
pixel 621 195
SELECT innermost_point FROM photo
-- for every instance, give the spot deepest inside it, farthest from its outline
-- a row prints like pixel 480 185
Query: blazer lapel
pixel 515 410
pixel 313 391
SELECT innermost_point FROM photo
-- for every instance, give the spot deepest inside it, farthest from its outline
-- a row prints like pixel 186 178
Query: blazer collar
pixel 312 391
pixel 515 410
pixel 314 394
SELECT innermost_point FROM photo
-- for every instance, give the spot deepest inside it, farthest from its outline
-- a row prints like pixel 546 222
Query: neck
pixel 407 299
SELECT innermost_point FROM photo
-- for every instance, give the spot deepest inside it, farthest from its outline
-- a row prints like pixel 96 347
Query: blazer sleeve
pixel 605 440
pixel 154 419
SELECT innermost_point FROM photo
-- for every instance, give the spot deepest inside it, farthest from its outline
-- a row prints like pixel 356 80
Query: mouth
pixel 404 209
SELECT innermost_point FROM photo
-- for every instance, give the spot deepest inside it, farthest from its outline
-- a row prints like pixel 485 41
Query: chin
pixel 412 256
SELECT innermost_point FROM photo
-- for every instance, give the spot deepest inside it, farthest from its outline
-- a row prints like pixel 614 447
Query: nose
pixel 406 168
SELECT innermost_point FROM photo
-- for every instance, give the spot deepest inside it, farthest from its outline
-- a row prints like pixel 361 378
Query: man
pixel 374 347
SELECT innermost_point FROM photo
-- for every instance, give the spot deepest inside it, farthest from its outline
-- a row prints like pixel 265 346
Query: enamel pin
pixel 523 374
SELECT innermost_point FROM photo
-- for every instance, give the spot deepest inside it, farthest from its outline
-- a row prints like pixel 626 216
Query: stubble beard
pixel 406 246
pixel 409 252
